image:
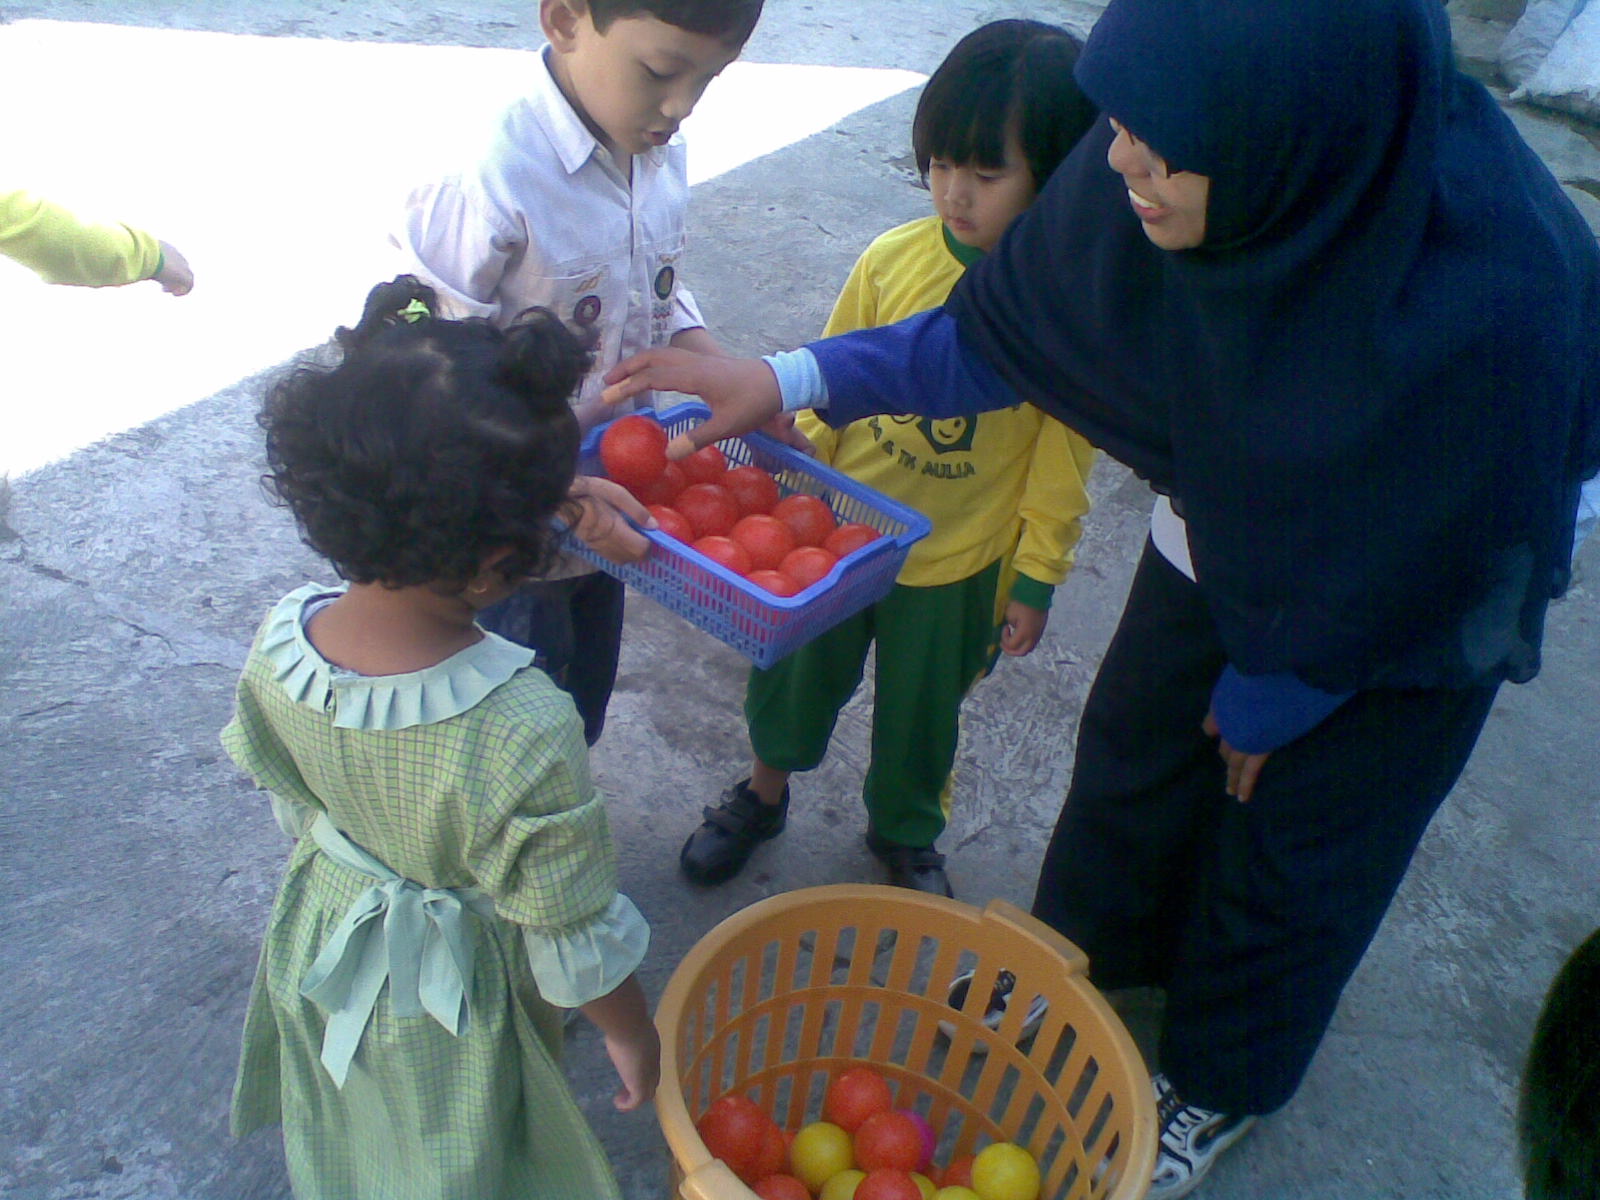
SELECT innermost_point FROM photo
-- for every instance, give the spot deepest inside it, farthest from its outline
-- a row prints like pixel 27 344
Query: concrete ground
pixel 266 137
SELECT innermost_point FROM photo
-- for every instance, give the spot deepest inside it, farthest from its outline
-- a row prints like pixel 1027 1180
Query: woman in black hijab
pixel 1309 282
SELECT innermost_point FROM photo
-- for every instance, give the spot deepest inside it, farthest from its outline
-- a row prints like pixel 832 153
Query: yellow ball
pixel 924 1185
pixel 1005 1171
pixel 956 1192
pixel 820 1151
pixel 842 1186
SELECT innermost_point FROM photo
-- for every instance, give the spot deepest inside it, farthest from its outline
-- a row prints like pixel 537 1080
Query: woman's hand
pixel 742 393
pixel 601 507
pixel 1243 769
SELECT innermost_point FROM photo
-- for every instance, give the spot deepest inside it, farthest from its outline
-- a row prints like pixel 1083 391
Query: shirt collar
pixel 569 136
pixel 964 254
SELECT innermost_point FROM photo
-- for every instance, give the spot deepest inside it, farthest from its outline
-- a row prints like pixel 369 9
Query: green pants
pixel 934 644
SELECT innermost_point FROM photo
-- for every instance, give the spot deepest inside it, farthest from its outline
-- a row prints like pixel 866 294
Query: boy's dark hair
pixel 1558 1117
pixel 431 444
pixel 1004 76
pixel 730 21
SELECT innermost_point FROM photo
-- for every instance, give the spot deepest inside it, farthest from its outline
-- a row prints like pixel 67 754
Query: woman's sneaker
pixel 1191 1139
pixel 995 1011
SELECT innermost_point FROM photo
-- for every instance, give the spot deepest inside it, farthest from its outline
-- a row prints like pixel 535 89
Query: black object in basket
pixel 762 626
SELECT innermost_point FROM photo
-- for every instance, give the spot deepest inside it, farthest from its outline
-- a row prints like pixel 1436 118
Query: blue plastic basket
pixel 761 626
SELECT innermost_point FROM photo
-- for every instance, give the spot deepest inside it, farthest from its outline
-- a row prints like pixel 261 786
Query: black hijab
pixel 1373 387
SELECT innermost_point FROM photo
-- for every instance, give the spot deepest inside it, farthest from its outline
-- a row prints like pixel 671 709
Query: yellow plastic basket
pixel 783 995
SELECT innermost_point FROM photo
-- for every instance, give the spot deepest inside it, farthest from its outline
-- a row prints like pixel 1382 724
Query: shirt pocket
pixel 594 302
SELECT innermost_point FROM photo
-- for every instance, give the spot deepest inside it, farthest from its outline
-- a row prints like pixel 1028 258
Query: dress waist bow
pixel 397 931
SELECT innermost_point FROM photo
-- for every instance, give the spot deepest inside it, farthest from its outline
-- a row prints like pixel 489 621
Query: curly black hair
pixel 431 444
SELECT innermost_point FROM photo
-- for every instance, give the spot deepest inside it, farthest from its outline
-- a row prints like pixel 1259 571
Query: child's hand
pixel 1023 628
pixel 637 1059
pixel 631 1042
pixel 601 506
pixel 782 428
pixel 175 277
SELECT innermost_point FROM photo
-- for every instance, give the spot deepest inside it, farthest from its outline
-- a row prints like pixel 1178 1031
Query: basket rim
pixel 672 1112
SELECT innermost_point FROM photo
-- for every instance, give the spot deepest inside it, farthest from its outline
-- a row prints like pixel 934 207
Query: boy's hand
pixel 175 277
pixel 741 392
pixel 601 506
pixel 1023 628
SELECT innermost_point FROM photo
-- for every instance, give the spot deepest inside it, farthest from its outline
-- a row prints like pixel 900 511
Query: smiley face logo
pixel 948 434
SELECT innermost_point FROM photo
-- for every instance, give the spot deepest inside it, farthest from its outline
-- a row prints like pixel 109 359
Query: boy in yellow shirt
pixel 994 120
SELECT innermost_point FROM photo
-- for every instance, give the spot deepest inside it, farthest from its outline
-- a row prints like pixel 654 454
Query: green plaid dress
pixel 469 775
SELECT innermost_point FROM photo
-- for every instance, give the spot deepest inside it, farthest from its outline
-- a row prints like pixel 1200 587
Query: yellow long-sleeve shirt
pixel 61 248
pixel 1005 481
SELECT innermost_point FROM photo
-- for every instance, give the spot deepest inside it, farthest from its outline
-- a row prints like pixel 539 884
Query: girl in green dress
pixel 453 884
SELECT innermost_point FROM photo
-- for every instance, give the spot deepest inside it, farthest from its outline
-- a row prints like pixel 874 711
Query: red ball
pixel 772 1158
pixel 633 450
pixel 732 1129
pixel 782 1187
pixel 753 488
pixel 664 488
pixel 958 1173
pixel 775 582
pixel 766 538
pixel 855 1094
pixel 807 564
pixel 808 517
pixel 706 465
pixel 726 551
pixel 708 508
pixel 672 523
pixel 849 538
pixel 890 1139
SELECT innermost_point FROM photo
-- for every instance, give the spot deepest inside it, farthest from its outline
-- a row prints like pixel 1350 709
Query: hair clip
pixel 416 311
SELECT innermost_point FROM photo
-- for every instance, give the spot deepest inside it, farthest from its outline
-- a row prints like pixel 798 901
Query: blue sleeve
pixel 919 365
pixel 1259 713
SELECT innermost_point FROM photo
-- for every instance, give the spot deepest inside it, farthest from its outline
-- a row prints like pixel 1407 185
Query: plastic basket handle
pixel 1003 912
pixel 713 1181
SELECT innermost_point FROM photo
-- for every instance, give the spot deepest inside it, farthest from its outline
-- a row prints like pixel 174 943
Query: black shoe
pixel 718 850
pixel 920 868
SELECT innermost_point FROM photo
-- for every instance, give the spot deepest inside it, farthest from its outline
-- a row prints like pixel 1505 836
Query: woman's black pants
pixel 1252 917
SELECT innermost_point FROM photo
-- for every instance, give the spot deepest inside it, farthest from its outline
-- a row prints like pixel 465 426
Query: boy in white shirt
pixel 576 203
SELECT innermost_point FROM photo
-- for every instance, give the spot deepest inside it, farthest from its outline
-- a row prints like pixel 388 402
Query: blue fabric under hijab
pixel 1372 390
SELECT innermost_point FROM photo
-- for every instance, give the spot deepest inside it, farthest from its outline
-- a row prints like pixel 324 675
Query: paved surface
pixel 139 867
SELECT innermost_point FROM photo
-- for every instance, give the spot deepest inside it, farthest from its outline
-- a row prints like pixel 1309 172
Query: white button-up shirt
pixel 545 216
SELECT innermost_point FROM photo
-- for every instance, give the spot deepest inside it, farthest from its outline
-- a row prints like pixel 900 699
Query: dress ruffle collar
pixel 380 702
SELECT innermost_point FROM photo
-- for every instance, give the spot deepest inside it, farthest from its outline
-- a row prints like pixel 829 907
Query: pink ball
pixel 928 1140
